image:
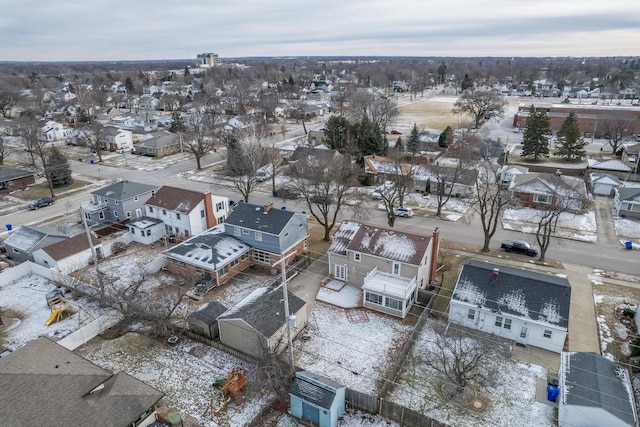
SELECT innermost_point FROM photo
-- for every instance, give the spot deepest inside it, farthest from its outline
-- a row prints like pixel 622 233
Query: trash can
pixel 91 161
pixel 552 393
pixel 628 245
pixel 9 227
pixel 284 208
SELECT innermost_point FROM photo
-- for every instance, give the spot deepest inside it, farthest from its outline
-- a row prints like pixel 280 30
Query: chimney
pixel 210 218
pixel 494 276
pixel 434 254
pixel 268 206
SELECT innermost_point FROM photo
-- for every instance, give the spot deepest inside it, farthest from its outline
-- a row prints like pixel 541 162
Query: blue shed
pixel 317 399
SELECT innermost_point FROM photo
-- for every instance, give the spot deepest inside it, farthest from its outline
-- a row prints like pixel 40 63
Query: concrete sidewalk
pixel 307 284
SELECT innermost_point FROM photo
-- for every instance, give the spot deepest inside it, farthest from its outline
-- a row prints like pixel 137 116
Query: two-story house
pixel 390 265
pixel 186 213
pixel 528 307
pixel 117 202
pixel 118 139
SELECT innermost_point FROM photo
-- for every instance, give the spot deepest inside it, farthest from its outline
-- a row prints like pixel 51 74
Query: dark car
pixel 286 193
pixel 519 247
pixel 44 201
pixel 396 132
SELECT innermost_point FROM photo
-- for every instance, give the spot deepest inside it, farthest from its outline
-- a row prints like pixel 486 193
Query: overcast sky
pixel 64 30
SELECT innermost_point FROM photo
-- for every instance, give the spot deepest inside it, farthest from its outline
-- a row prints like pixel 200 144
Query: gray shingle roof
pixel 254 217
pixel 7 174
pixel 44 383
pixel 209 313
pixel 123 190
pixel 264 310
pixel 629 193
pixel 591 380
pixel 522 293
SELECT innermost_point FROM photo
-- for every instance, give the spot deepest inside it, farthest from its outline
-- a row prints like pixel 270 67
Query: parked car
pixel 516 130
pixel 403 212
pixel 286 193
pixel 519 247
pixel 396 132
pixel 44 201
pixel 376 195
pixel 124 150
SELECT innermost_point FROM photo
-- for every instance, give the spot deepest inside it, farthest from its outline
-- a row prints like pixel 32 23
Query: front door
pixel 524 334
pixel 138 213
pixel 341 272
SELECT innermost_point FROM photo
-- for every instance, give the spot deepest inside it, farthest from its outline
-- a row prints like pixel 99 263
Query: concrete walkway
pixel 307 284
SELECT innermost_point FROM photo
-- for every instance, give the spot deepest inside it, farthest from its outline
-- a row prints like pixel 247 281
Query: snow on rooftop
pixel 24 238
pixel 551 312
pixel 248 300
pixel 396 246
pixel 515 301
pixel 467 291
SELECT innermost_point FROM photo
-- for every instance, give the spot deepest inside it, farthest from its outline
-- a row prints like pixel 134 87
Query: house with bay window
pixel 525 306
pixel 390 265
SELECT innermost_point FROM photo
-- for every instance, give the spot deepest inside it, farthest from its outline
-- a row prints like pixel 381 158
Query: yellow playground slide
pixel 52 318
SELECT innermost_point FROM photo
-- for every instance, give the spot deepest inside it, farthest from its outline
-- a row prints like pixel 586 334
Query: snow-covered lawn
pixel 26 298
pixel 184 373
pixel 510 400
pixel 353 354
pixel 627 228
pixel 571 226
pixel 350 418
pixel 453 210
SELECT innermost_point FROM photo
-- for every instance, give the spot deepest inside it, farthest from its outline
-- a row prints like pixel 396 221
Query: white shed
pixel 602 184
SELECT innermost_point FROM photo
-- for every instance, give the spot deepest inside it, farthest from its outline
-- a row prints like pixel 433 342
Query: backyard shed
pixel 204 321
pixel 317 399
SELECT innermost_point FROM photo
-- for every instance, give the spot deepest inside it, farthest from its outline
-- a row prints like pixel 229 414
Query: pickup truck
pixel 520 247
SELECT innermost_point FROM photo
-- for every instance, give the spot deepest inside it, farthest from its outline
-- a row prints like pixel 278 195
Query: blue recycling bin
pixel 552 392
pixel 9 227
pixel 284 208
pixel 628 245
pixel 91 161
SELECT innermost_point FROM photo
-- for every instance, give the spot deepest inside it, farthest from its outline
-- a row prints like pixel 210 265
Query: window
pixel 202 213
pixel 393 303
pixel 507 324
pixel 499 320
pixel 245 256
pixel 396 268
pixel 224 270
pixel 141 232
pixel 341 272
pixel 235 262
pixel 135 198
pixel 373 298
pixel 471 314
pixel 150 209
pixel 356 256
pixel 220 220
pixel 541 198
pixel 116 202
pixel 219 206
pixel 547 333
pixel 148 232
pixel 87 215
pixel 15 250
pixel 177 216
pixel 236 231
pixel 245 231
pixel 100 215
pixel 258 236
pixel 164 211
pixel 523 332
pixel 115 214
pixel 261 256
pixel 128 214
pixel 133 230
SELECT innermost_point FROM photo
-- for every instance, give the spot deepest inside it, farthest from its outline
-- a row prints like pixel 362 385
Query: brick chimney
pixel 434 254
pixel 268 206
pixel 494 275
pixel 208 210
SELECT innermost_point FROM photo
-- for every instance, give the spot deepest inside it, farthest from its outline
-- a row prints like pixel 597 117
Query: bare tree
pixel 245 154
pixel 37 146
pixel 380 110
pixel 489 200
pixel 479 104
pixel 619 129
pixel 93 134
pixel 399 182
pixel 460 357
pixel 325 185
pixel 5 149
pixel 8 99
pixel 199 137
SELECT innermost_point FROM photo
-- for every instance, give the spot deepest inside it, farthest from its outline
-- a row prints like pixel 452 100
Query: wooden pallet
pixel 357 315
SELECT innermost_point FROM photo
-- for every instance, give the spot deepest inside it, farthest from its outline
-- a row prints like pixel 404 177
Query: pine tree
pixel 535 142
pixel 177 124
pixel 368 137
pixel 336 132
pixel 58 168
pixel 399 145
pixel 128 84
pixel 445 137
pixel 414 140
pixel 570 140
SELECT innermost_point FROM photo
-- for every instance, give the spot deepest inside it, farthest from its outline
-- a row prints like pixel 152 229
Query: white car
pixel 376 195
pixel 403 212
pixel 124 150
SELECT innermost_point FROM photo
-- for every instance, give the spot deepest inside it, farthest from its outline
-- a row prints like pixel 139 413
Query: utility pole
pixel 283 265
pixel 93 249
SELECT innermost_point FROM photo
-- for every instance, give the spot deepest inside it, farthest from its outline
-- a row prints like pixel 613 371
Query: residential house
pixel 317 399
pixel 509 172
pixel 14 179
pixel 52 131
pixel 594 391
pixel 458 182
pixel 381 168
pixel 626 202
pixel 204 321
pixel 240 122
pixel 629 152
pixel 528 307
pixel 317 135
pixel 212 255
pixel 27 239
pixel 272 233
pixel 257 326
pixel 388 264
pixel 612 166
pixel 186 213
pixel 545 190
pixel 43 381
pixel 158 144
pixel 118 202
pixel 147 102
pixel 118 139
pixel 146 230
pixel 603 184
pixel 70 254
pixel 304 159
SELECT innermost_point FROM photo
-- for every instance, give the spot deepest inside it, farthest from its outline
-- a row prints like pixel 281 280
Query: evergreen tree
pixel 467 83
pixel 413 141
pixel 58 168
pixel 445 138
pixel 570 140
pixel 535 142
pixel 186 71
pixel 128 84
pixel 336 132
pixel 399 145
pixel 368 138
pixel 177 124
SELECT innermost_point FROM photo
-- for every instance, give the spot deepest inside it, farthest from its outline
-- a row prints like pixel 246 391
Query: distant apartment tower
pixel 208 60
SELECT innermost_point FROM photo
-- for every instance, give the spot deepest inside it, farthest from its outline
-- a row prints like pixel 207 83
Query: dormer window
pixel 135 198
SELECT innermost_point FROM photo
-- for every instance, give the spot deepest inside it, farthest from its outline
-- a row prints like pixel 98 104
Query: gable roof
pixel 123 190
pixel 522 293
pixel 631 194
pixel 604 178
pixel 26 237
pixel 210 250
pixel 7 174
pixel 380 241
pixel 263 309
pixel 44 380
pixel 306 154
pixel 176 199
pixel 589 379
pixel 611 165
pixel 546 183
pixel 255 217
pixel 70 246
pixel 210 312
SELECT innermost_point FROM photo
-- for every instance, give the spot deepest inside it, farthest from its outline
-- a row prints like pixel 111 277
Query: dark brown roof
pixel 176 199
pixel 43 383
pixel 69 246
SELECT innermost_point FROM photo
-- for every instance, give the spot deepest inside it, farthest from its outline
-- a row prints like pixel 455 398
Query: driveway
pixel 604 218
